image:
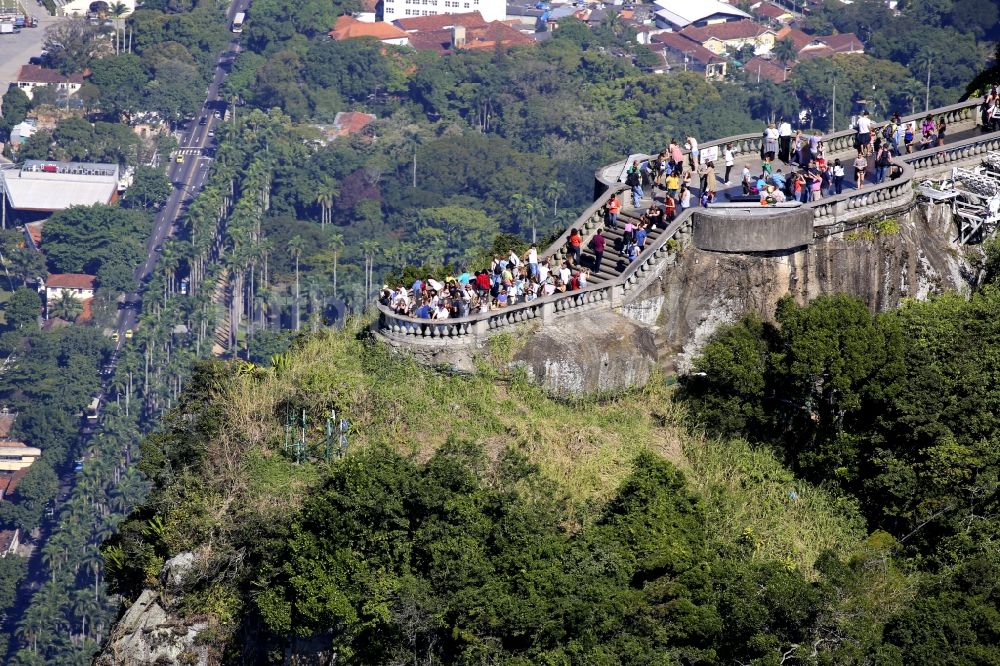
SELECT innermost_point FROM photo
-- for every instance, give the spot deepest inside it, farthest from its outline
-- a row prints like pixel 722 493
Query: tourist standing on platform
pixel 692 146
pixel 685 198
pixel 673 184
pixel 730 160
pixel 708 180
pixel 575 246
pixel 863 128
pixel 942 127
pixel 838 177
pixel 634 180
pixel 881 164
pixel 860 165
pixel 798 144
pixel 614 207
pixel 784 141
pixel 532 260
pixel 770 142
pixel 676 154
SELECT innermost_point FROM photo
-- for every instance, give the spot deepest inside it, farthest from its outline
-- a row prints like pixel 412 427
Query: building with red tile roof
pixel 440 22
pixel 771 13
pixel 827 45
pixel 759 69
pixel 488 36
pixel 799 38
pixel 348 27
pixel 684 52
pixel 720 38
pixel 33 76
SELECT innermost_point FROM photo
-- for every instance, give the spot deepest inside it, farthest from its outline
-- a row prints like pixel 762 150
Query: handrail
pixel 839 208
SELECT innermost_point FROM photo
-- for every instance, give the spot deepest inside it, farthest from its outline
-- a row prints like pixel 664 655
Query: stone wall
pixel 881 263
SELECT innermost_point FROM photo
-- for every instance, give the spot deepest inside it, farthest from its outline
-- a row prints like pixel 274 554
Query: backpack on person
pixel 632 179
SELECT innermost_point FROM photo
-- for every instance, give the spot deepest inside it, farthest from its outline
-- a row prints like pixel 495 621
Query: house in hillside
pixel 348 27
pixel 33 76
pixel 759 69
pixel 772 14
pixel 679 52
pixel 679 14
pixel 447 33
pixel 822 46
pixel 731 36
pixel 22 132
pixel 79 285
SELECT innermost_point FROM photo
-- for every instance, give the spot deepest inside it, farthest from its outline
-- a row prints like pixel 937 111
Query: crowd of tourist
pixel 990 111
pixel 509 280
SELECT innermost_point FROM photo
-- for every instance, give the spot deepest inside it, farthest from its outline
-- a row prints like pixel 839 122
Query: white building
pixel 84 7
pixel 33 76
pixel 679 14
pixel 48 186
pixel 491 10
pixel 79 285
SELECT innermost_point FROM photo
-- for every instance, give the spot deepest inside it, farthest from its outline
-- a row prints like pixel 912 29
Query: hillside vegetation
pixel 228 486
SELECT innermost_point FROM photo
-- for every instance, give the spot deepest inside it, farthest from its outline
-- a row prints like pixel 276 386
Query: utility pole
pixel 833 109
pixel 927 95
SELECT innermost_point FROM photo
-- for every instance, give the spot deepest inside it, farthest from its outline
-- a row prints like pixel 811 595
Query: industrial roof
pixel 685 12
pixel 49 186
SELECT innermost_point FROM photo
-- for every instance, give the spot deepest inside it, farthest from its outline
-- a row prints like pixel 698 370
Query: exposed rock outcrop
pixel 599 351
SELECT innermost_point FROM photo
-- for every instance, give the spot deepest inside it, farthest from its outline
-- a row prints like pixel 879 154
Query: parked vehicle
pixel 8 29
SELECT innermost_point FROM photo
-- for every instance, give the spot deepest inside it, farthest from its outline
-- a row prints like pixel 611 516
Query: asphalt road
pixel 16 50
pixel 188 178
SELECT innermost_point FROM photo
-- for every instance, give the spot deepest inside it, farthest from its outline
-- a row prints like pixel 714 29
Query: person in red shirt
pixel 614 207
pixel 575 246
pixel 669 209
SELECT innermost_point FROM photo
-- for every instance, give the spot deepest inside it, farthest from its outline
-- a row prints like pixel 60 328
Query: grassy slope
pixel 587 446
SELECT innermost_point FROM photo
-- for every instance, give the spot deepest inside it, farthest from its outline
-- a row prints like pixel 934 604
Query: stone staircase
pixel 614 262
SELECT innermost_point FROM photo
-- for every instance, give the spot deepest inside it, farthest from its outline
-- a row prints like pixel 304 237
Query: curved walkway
pixel 619 281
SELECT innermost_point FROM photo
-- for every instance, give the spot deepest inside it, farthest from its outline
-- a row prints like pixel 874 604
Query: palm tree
pixel 526 210
pixel 336 246
pixel 369 247
pixel 117 11
pixel 784 51
pixel 553 191
pixel 66 307
pixel 295 247
pixel 325 198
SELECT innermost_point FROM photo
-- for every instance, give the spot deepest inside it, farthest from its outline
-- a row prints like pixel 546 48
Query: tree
pixel 150 188
pixel 22 310
pixel 15 108
pixel 295 247
pixel 70 45
pixel 82 238
pixel 117 11
pixel 121 82
pixel 67 307
pixel 784 51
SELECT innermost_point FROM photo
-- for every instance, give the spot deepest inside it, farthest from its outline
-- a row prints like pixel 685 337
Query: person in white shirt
pixel 771 141
pixel 532 259
pixel 864 130
pixel 543 272
pixel 441 312
pixel 565 273
pixel 692 145
pixel 435 285
pixel 727 155
pixel 513 260
pixel 784 140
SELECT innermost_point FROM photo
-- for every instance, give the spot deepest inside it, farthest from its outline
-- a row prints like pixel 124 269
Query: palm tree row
pixel 69 615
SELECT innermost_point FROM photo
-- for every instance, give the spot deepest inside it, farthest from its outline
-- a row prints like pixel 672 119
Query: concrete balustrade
pixel 829 215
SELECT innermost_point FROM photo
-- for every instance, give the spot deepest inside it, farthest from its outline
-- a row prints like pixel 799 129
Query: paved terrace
pixel 619 282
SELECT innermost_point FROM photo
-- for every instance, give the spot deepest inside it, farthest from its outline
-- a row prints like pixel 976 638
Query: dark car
pixel 203 121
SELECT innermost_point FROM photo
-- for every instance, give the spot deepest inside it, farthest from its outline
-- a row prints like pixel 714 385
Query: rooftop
pixel 441 22
pixel 758 67
pixel 799 38
pixel 49 186
pixel 348 27
pixel 488 36
pixel 41 75
pixel 351 122
pixel 745 29
pixel 680 44
pixel 7 540
pixel 685 12
pixel 69 281
pixel 769 11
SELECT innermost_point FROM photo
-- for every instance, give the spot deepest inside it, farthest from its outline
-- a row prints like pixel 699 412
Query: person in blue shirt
pixel 418 287
pixel 640 237
pixel 779 180
pixel 424 311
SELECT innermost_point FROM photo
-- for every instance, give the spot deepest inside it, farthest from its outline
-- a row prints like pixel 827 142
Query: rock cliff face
pixel 913 256
pixel 600 351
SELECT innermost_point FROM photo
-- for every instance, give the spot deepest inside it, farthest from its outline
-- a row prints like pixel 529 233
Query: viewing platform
pixel 721 227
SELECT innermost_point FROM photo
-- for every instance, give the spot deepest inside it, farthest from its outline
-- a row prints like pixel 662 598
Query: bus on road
pixel 238 22
pixel 92 409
